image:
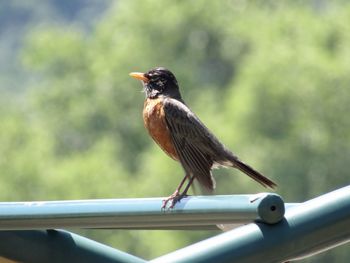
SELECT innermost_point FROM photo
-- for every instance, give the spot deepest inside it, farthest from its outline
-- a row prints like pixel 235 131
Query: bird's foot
pixel 174 198
pixel 170 198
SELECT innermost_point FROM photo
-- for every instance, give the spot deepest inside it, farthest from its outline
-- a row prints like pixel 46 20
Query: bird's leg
pixel 176 193
pixel 178 197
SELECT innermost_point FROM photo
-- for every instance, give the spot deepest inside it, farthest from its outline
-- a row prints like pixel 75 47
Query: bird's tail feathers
pixel 255 175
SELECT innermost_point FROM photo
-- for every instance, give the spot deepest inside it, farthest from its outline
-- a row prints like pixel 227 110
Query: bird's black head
pixel 159 82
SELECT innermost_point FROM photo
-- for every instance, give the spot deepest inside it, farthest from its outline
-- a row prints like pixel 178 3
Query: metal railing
pixel 274 231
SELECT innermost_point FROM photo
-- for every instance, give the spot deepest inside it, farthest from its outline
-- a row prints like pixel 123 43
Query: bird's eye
pixel 160 82
pixel 155 79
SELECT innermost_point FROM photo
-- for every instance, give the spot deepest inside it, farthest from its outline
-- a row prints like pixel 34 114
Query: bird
pixel 183 137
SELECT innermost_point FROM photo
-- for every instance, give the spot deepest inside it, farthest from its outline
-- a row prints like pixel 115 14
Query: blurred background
pixel 269 78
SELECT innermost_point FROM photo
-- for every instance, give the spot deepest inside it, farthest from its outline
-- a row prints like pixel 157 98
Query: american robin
pixel 180 134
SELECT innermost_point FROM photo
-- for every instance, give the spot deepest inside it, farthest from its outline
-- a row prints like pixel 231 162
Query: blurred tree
pixel 18 17
pixel 269 79
pixel 22 147
pixel 298 93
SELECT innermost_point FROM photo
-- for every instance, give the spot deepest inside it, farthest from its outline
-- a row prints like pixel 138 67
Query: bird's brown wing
pixel 199 149
pixel 192 140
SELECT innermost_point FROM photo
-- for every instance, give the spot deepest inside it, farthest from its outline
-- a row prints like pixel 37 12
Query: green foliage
pixel 271 80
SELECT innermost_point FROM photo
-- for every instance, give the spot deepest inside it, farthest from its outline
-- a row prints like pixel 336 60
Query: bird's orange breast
pixel 154 120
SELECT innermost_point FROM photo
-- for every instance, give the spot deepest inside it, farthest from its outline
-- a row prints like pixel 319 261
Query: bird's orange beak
pixel 139 75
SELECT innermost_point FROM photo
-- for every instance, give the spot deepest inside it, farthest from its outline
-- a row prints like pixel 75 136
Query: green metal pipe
pixel 144 213
pixel 57 246
pixel 309 228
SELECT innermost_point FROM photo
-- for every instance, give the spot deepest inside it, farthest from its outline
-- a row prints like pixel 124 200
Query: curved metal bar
pixel 143 213
pixel 309 228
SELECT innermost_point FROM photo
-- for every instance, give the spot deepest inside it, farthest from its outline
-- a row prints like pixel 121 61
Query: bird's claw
pixel 170 198
pixel 174 198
